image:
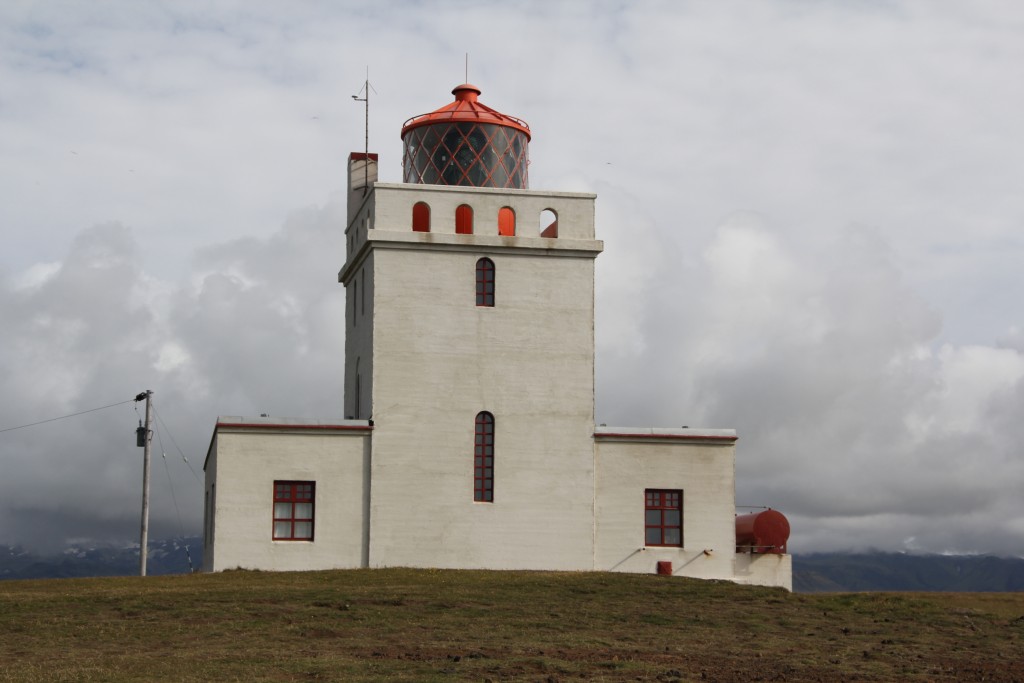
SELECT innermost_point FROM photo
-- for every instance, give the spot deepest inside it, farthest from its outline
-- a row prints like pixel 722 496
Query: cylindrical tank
pixel 762 532
pixel 466 143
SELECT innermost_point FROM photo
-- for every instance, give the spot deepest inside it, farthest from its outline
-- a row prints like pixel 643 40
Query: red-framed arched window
pixel 421 217
pixel 485 282
pixel 464 220
pixel 483 459
pixel 506 221
pixel 548 223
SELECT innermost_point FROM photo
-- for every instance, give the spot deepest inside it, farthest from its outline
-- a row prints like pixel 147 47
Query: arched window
pixel 483 459
pixel 506 221
pixel 421 217
pixel 548 223
pixel 464 220
pixel 485 282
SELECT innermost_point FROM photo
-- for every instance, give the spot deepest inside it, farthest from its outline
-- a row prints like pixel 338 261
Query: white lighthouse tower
pixel 470 344
pixel 468 438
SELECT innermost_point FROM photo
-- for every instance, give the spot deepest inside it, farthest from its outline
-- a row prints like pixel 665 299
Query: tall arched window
pixel 421 217
pixel 485 282
pixel 506 221
pixel 464 220
pixel 548 223
pixel 483 459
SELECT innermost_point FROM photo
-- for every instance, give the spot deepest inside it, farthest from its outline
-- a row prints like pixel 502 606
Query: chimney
pixel 362 174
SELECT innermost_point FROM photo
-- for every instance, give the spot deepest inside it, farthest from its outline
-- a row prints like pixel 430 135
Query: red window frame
pixel 483 459
pixel 294 510
pixel 663 517
pixel 551 229
pixel 421 217
pixel 464 219
pixel 485 276
pixel 506 221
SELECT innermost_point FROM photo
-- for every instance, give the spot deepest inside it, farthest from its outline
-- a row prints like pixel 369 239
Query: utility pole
pixel 144 438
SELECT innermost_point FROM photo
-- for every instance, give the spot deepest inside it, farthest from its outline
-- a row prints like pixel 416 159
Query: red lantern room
pixel 466 143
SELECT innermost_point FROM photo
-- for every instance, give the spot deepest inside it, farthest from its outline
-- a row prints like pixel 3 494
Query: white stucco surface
pixel 249 454
pixel 439 360
pixel 394 481
pixel 699 463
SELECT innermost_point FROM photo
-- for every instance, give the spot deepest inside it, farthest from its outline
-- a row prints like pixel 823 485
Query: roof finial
pixel 467 69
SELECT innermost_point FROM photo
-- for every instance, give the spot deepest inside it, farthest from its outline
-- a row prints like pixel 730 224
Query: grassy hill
pixel 433 625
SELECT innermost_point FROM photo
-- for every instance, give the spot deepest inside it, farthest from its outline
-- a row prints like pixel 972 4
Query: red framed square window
pixel 293 510
pixel 663 517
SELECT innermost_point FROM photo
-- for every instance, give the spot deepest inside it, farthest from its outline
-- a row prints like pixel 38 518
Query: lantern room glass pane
pixel 465 153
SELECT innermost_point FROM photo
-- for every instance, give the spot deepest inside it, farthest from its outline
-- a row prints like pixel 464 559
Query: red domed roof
pixel 466 107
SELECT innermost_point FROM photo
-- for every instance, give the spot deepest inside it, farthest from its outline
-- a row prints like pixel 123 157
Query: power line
pixel 160 419
pixel 64 417
pixel 170 484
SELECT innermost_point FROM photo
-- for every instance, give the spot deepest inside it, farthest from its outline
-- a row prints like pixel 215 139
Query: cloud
pixel 810 211
pixel 250 331
pixel 851 420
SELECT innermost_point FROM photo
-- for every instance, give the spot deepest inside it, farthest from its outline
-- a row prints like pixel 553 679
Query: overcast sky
pixel 812 212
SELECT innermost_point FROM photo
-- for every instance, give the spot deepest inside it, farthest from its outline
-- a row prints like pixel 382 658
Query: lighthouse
pixel 468 438
pixel 470 344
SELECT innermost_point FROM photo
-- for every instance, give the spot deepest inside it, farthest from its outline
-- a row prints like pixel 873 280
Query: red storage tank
pixel 762 532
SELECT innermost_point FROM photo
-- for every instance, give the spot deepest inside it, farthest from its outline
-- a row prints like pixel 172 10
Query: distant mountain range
pixel 167 556
pixel 876 571
pixel 812 573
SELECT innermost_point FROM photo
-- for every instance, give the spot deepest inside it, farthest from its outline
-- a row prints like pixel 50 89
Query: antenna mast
pixel 365 91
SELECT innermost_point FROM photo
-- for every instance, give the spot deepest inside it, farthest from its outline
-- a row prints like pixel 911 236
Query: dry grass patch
pixel 430 625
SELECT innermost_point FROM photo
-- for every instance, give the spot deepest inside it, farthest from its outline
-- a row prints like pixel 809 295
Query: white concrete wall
pixel 765 569
pixel 210 506
pixel 245 461
pixel 429 360
pixel 439 360
pixel 701 463
pixel 359 301
pixel 394 202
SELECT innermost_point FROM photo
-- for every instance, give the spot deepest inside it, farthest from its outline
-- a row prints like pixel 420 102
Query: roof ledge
pixel 291 424
pixel 681 434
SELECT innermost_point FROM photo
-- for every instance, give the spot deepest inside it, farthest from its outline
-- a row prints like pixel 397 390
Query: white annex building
pixel 469 438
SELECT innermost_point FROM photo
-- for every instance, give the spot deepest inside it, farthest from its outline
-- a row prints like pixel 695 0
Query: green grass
pixel 431 625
